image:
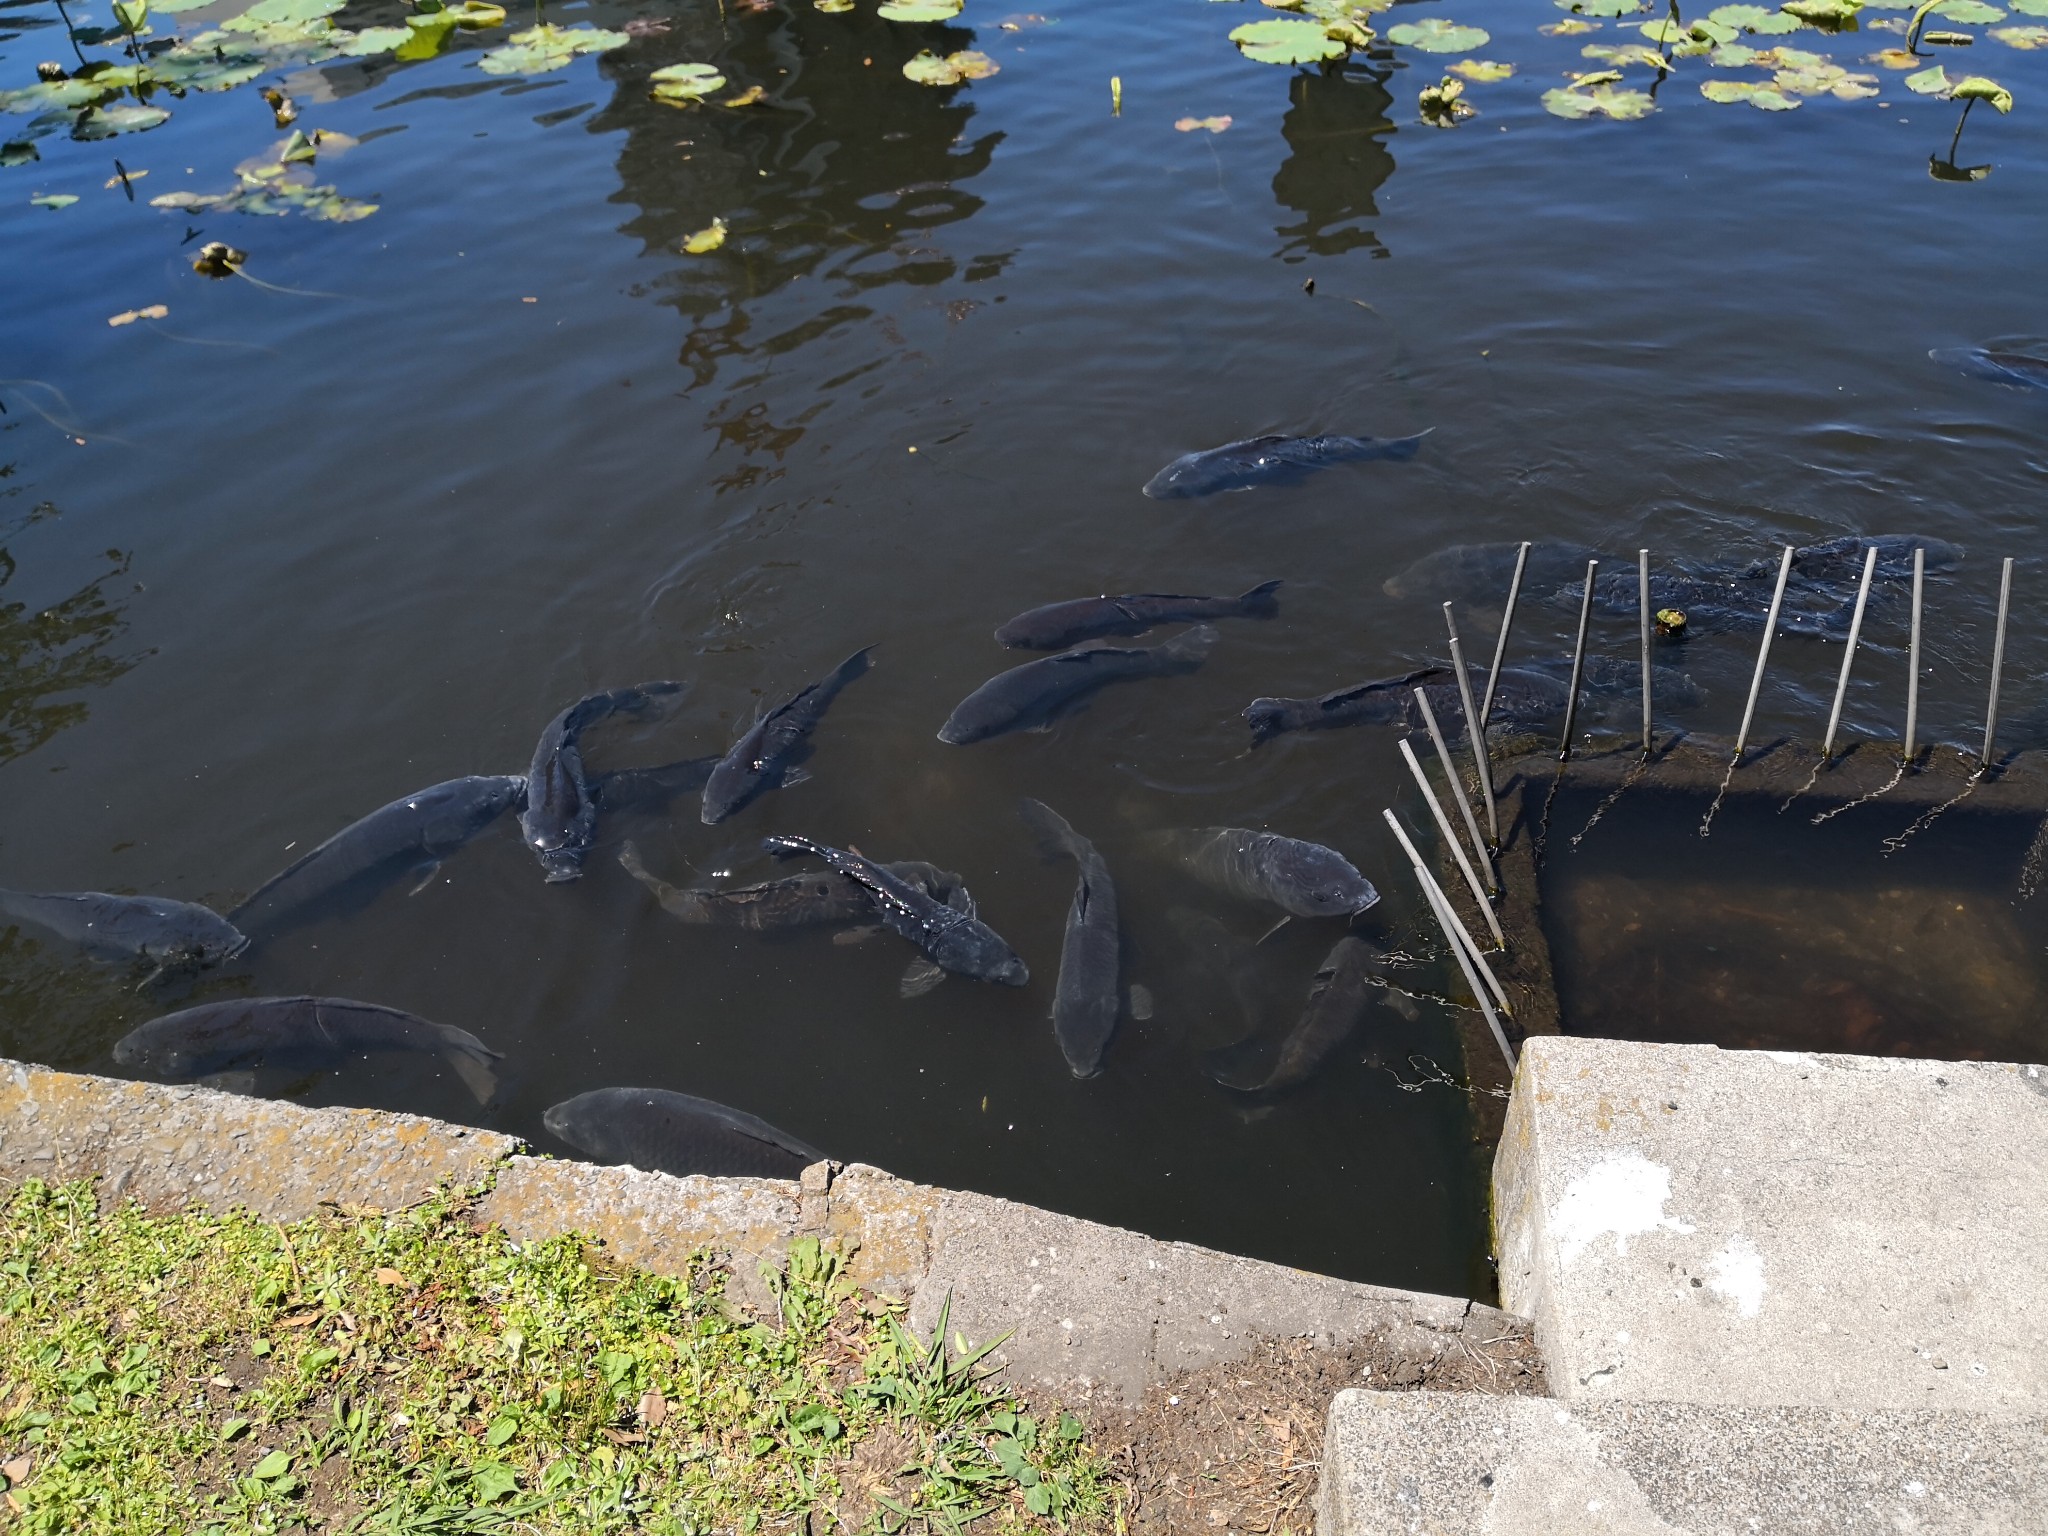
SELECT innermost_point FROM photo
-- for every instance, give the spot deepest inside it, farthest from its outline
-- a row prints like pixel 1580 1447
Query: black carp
pixel 1345 986
pixel 1305 879
pixel 1056 626
pixel 955 939
pixel 170 935
pixel 1274 459
pixel 1481 573
pixel 767 752
pixel 666 1132
pixel 303 1033
pixel 1033 695
pixel 1087 1000
pixel 800 901
pixel 560 819
pixel 2000 367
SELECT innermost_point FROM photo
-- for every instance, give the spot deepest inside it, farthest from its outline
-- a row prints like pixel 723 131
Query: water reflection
pixel 1336 128
pixel 53 652
pixel 845 172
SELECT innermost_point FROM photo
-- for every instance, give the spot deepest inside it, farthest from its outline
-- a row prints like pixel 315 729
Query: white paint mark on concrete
pixel 1787 1058
pixel 1623 1195
pixel 1916 1490
pixel 1738 1274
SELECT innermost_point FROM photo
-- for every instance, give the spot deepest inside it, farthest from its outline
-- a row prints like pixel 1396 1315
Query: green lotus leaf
pixel 1709 30
pixel 920 10
pixel 1286 42
pixel 1601 7
pixel 1665 30
pixel 54 200
pixel 111 122
pixel 1600 101
pixel 971 64
pixel 928 68
pixel 1977 88
pixel 1736 56
pixel 1352 34
pixel 1825 80
pixel 205 69
pixel 1570 27
pixel 2022 37
pixel 1969 13
pixel 685 82
pixel 1756 93
pixel 1356 11
pixel 1621 55
pixel 173 7
pixel 832 7
pixel 1823 13
pixel 1435 35
pixel 46 94
pixel 17 152
pixel 1896 58
pixel 1754 18
pixel 2028 7
pixel 1482 70
pixel 360 45
pixel 1929 82
pixel 281 13
pixel 547 47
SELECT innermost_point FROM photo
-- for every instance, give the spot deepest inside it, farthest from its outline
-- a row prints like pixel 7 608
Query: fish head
pixel 732 784
pixel 1323 883
pixel 1183 478
pixel 157 1052
pixel 974 949
pixel 559 864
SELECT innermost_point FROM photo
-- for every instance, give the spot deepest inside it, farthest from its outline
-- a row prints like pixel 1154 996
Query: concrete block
pixel 171 1147
pixel 1457 1464
pixel 1689 1224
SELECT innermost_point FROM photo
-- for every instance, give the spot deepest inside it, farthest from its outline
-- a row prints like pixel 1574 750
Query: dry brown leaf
pixel 114 181
pixel 130 316
pixel 387 1276
pixel 220 1381
pixel 303 1320
pixel 15 1471
pixel 653 1408
pixel 624 1437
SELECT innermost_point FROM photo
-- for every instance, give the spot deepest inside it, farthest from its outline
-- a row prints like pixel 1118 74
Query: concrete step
pixel 1456 1464
pixel 1687 1224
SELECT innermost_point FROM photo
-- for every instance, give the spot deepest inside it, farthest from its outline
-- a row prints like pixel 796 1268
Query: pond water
pixel 367 523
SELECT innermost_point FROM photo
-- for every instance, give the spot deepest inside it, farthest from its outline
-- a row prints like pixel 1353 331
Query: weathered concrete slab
pixel 1456 1464
pixel 1095 1312
pixel 173 1147
pixel 1689 1224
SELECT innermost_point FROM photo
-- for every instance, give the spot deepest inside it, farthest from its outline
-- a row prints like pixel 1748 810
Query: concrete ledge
pixel 1697 1225
pixel 1094 1312
pixel 1453 1464
pixel 173 1147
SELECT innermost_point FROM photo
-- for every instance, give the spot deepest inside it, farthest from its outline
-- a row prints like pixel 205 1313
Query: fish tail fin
pixel 629 860
pixel 1267 718
pixel 785 846
pixel 472 1061
pixel 1055 837
pixel 1402 449
pixel 1260 603
pixel 854 666
pixel 1242 1066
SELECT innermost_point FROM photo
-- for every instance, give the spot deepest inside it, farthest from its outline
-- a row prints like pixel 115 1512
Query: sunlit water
pixel 505 444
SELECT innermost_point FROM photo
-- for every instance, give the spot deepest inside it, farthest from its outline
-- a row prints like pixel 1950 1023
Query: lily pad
pixel 371 40
pixel 208 69
pixel 1665 30
pixel 47 94
pixel 1896 58
pixel 17 152
pixel 281 13
pixel 1569 28
pixel 1435 35
pixel 54 200
pixel 1929 82
pixel 111 122
pixel 685 82
pixel 1756 93
pixel 920 10
pixel 1737 56
pixel 832 7
pixel 1823 13
pixel 2028 7
pixel 1977 88
pixel 1601 7
pixel 1754 18
pixel 546 47
pixel 2022 37
pixel 173 7
pixel 1826 80
pixel 706 240
pixel 1968 13
pixel 929 69
pixel 1621 55
pixel 1286 42
pixel 1600 101
pixel 1482 70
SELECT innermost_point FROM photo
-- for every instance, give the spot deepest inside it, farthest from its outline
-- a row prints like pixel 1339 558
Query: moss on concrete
pixel 411 1372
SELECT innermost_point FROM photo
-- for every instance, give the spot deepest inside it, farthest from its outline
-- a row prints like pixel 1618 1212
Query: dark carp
pixel 1305 879
pixel 955 939
pixel 666 1132
pixel 1345 986
pixel 1059 625
pixel 301 1033
pixel 800 901
pixel 1382 701
pixel 1482 573
pixel 1031 696
pixel 411 834
pixel 171 935
pixel 1274 459
pixel 765 755
pixel 2000 367
pixel 560 819
pixel 1087 1000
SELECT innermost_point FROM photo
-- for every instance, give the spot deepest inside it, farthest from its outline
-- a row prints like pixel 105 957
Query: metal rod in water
pixel 1571 703
pixel 1442 909
pixel 1997 665
pixel 1763 655
pixel 1475 734
pixel 1443 756
pixel 1849 653
pixel 1507 622
pixel 1643 593
pixel 1913 655
pixel 1455 930
pixel 1443 825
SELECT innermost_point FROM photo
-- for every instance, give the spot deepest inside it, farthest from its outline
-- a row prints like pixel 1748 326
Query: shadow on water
pixel 1336 129
pixel 51 653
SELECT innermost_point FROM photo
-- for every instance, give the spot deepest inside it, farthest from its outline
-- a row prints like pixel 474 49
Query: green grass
pixel 409 1373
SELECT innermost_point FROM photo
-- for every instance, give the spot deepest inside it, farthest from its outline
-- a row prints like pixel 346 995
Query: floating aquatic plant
pixel 1601 7
pixel 706 240
pixel 542 49
pixel 1444 104
pixel 683 84
pixel 921 10
pixel 1282 41
pixel 1758 93
pixel 1482 70
pixel 1754 18
pixel 277 183
pixel 1595 95
pixel 1433 34
pixel 929 69
pixel 2022 37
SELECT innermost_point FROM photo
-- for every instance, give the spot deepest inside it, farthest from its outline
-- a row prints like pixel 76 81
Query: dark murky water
pixel 507 445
